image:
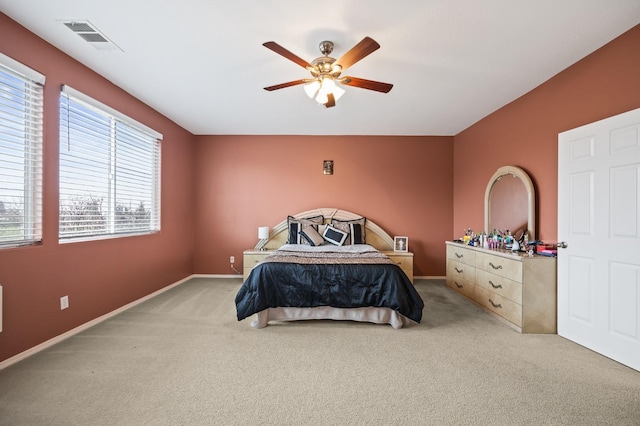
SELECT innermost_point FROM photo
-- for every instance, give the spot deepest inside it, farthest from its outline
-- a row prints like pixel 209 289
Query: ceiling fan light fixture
pixel 322 98
pixel 327 85
pixel 338 92
pixel 321 89
pixel 312 88
pixel 326 71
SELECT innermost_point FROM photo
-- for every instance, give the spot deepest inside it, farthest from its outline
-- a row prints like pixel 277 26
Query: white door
pixel 599 219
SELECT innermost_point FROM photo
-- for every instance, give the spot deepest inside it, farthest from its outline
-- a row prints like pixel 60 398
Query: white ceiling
pixel 452 62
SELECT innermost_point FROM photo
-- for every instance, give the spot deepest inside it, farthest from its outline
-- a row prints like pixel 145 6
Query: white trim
pixel 430 277
pixel 21 68
pixel 25 188
pixel 92 103
pixel 215 276
pixel 44 345
pixel 83 239
pixel 531 197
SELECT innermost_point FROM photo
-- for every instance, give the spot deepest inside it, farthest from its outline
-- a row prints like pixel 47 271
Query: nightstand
pixel 251 258
pixel 404 259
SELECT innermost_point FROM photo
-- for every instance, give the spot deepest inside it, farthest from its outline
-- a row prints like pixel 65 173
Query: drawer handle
pixel 494 266
pixel 459 270
pixel 494 305
pixel 495 286
pixel 459 256
pixel 458 285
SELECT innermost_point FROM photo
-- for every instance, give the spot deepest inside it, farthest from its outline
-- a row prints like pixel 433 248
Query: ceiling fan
pixel 326 71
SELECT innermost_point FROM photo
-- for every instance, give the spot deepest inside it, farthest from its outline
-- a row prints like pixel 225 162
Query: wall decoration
pixel 327 167
pixel 401 244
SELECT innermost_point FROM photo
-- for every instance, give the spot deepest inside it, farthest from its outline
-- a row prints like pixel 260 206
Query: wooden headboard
pixel 375 236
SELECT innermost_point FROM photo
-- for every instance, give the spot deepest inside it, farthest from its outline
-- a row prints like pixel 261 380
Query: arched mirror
pixel 510 202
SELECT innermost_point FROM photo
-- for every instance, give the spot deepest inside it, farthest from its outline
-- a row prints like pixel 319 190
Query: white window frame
pixel 105 198
pixel 21 156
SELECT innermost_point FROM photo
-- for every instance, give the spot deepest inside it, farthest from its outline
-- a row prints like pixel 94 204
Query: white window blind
pixel 109 171
pixel 21 117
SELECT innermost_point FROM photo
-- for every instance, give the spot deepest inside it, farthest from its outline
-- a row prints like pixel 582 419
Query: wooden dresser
pixel 516 288
pixel 252 257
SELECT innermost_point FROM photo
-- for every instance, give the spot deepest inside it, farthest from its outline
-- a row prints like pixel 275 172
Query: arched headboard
pixel 375 236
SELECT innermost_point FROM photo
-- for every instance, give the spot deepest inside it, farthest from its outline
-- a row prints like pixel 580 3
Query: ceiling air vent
pixel 91 35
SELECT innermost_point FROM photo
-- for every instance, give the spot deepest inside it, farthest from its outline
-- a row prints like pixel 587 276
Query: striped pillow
pixel 311 235
pixel 294 227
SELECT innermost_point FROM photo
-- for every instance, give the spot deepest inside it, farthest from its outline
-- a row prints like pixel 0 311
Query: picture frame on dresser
pixel 401 244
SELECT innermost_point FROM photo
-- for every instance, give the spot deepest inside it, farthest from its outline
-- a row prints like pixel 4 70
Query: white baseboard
pixel 215 276
pixel 428 277
pixel 44 345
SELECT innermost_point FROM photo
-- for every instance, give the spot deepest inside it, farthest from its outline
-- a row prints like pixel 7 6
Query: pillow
pixel 311 235
pixel 294 224
pixel 355 229
pixel 334 236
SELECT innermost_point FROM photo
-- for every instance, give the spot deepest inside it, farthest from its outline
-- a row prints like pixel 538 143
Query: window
pixel 20 154
pixel 109 171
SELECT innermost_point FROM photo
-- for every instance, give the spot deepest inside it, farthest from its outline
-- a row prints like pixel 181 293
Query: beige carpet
pixel 183 359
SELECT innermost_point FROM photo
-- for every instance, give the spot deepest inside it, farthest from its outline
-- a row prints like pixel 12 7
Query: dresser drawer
pixel 403 261
pixel 460 270
pixel 507 309
pixel 504 287
pixel 462 286
pixel 461 254
pixel 251 260
pixel 507 268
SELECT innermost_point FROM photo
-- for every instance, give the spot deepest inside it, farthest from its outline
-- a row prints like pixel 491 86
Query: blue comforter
pixel 302 277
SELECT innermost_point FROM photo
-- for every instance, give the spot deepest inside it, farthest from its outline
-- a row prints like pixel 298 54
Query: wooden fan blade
pixel 357 52
pixel 331 101
pixel 287 54
pixel 283 85
pixel 367 84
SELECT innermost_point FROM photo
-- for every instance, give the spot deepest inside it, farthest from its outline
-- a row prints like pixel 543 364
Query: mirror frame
pixel 531 197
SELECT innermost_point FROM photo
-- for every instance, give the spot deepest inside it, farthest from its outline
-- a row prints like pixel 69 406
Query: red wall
pixel 97 276
pixel 403 184
pixel 525 132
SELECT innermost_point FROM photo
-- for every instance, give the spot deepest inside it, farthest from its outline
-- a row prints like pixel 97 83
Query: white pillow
pixel 334 236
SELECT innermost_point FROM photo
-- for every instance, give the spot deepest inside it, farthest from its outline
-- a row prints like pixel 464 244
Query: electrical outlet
pixel 232 259
pixel 64 302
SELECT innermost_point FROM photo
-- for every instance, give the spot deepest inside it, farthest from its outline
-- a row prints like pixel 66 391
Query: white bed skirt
pixel 368 314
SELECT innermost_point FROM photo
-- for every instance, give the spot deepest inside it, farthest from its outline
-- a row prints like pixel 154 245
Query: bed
pixel 315 271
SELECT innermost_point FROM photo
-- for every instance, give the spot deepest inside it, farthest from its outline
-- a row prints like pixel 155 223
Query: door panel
pixel 624 299
pixel 581 206
pixel 599 218
pixel 624 205
pixel 580 289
